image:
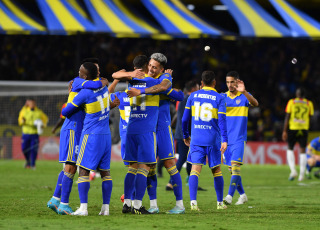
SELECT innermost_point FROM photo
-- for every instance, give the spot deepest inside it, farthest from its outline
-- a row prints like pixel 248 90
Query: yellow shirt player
pixel 296 126
pixel 33 120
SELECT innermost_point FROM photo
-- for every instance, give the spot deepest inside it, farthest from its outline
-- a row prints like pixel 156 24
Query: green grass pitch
pixel 274 202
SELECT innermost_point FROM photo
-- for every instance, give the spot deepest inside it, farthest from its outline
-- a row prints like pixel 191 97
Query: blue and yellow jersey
pixel 208 124
pixel 124 109
pixel 96 105
pixel 144 108
pixel 237 117
pixel 75 122
pixel 164 119
pixel 300 110
pixel 27 118
pixel 314 146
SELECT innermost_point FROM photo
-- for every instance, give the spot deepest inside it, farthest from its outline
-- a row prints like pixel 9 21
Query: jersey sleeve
pixel 63 106
pixel 222 120
pixel 165 76
pixel 186 119
pixel 21 115
pixel 311 111
pixel 91 84
pixel 73 106
pixel 175 95
pixel 289 105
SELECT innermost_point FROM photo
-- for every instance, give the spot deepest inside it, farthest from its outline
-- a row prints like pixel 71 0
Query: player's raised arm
pixel 74 106
pixel 242 89
pixel 127 76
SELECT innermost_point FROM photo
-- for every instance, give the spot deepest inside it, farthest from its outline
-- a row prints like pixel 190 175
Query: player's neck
pixel 234 93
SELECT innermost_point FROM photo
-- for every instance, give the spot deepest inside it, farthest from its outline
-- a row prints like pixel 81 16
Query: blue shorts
pixel 123 148
pixel 69 145
pixel 95 152
pixel 234 153
pixel 141 148
pixel 165 144
pixel 197 155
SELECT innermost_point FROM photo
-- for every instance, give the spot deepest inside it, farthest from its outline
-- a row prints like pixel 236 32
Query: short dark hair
pixel 92 70
pixel 92 60
pixel 31 99
pixel 190 84
pixel 302 92
pixel 233 74
pixel 140 61
pixel 208 77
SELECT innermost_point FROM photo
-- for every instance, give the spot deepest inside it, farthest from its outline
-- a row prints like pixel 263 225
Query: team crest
pixel 238 101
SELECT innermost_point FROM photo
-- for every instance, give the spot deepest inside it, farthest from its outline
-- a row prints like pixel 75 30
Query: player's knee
pixel 311 162
pixel 216 170
pixel 70 168
pixel 83 172
pixel 133 165
pixel 169 163
pixel 105 173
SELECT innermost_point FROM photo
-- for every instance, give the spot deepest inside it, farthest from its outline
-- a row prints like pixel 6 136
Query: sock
pixel 64 203
pixel 152 184
pixel 57 191
pixel 303 164
pixel 127 202
pixel 129 183
pixel 193 184
pixel 218 185
pixel 106 189
pixel 234 179
pixel 66 187
pixel 137 204
pixel 83 188
pixel 240 187
pixel 176 182
pixel 105 207
pixel 193 202
pixel 179 203
pixel 291 160
pixel 153 203
pixel 141 184
pixel 83 206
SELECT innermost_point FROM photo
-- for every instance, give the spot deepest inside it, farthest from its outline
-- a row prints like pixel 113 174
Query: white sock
pixel 179 203
pixel 64 203
pixel 83 206
pixel 127 202
pixel 291 160
pixel 153 203
pixel 303 164
pixel 57 198
pixel 105 207
pixel 137 204
pixel 193 202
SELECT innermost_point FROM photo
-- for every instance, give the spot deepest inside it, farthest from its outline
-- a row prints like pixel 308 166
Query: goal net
pixel 49 97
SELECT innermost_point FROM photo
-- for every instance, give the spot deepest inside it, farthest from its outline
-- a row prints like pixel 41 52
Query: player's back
pixel 124 109
pixel 314 146
pixel 75 121
pixel 97 108
pixel 164 119
pixel 205 105
pixel 144 108
pixel 301 109
pixel 237 117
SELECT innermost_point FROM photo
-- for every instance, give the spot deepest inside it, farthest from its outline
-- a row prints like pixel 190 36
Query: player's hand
pixel 70 86
pixel 169 71
pixel 224 146
pixel 137 73
pixel 116 101
pixel 133 92
pixel 284 135
pixel 187 141
pixel 53 130
pixel 104 82
pixel 240 86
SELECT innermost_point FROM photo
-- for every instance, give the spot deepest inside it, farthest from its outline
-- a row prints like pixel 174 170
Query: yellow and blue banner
pixel 177 20
pixel 14 19
pixel 300 23
pixel 254 21
pixel 62 18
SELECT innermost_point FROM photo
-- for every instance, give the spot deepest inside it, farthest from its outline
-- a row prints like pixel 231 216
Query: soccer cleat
pixel 126 209
pixel 227 200
pixel 194 208
pixel 122 198
pixel 169 187
pixel 176 210
pixel 242 199
pixel 221 205
pixel 92 176
pixel 153 210
pixel 301 178
pixel 317 174
pixel 292 176
pixel 141 211
pixel 80 212
pixel 53 204
pixel 104 213
pixel 64 209
pixel 201 189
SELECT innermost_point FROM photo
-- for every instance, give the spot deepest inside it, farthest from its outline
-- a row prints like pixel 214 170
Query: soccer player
pixel 95 150
pixel 313 156
pixel 33 120
pixel 165 145
pixel 295 129
pixel 207 111
pixel 69 143
pixel 140 62
pixel 238 101
pixel 140 138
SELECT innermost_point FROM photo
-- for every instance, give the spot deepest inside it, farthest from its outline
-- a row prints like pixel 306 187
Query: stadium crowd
pixel 264 64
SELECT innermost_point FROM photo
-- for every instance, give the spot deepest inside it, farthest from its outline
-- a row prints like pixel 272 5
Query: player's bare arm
pixel 127 76
pixel 104 81
pixel 242 89
pixel 285 127
pixel 163 86
pixel 187 141
pixel 113 85
pixel 224 146
pixel 115 102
